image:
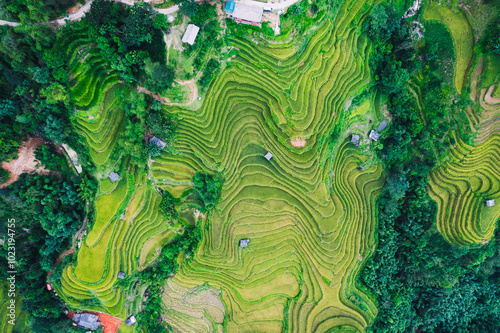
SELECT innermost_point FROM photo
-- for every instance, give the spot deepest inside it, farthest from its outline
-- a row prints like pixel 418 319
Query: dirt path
pixel 490 99
pixel 26 161
pixel 475 74
pixel 71 250
pixel 193 94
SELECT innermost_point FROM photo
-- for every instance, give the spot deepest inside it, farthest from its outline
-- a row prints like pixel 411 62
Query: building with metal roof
pixel 490 203
pixel 382 126
pixel 159 142
pixel 244 242
pixel 87 320
pixel 190 34
pixel 374 135
pixel 121 275
pixel 113 176
pixel 244 13
pixel 355 139
pixel 268 156
pixel 130 321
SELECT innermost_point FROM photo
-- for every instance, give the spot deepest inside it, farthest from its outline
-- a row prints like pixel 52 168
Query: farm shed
pixel 244 13
pixel 268 156
pixel 355 139
pixel 113 176
pixel 490 203
pixel 121 275
pixel 244 242
pixel 87 320
pixel 190 34
pixel 382 126
pixel 130 321
pixel 159 142
pixel 374 135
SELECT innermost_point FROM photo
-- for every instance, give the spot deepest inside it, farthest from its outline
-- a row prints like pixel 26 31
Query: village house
pixel 243 13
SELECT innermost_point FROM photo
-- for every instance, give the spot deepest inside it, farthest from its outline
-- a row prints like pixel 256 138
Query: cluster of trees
pixel 143 114
pixel 209 72
pixel 130 38
pixel 162 125
pixel 167 206
pixel 208 40
pixel 208 187
pixel 421 282
pixel 47 212
pixel 53 159
pixel 34 93
pixel 33 11
pixel 158 273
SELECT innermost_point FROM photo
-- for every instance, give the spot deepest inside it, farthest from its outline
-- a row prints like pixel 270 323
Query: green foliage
pixel 208 187
pixel 496 45
pixel 208 39
pixel 47 212
pixel 51 159
pixel 37 11
pixel 421 282
pixel 131 141
pixel 54 129
pixel 188 7
pixel 4 175
pixel 159 77
pixel 209 72
pixel 159 272
pixel 161 126
pixel 153 149
pixel 127 36
pixel 87 188
pixel 135 104
pixel 167 206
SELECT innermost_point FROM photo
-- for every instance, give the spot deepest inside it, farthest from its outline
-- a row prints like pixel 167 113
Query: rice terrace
pixel 250 166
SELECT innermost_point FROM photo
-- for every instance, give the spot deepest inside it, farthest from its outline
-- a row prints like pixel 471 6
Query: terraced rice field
pixel 463 38
pixel 309 212
pixel 472 176
pixel 113 244
pixel 309 217
pixel 461 188
pixel 93 85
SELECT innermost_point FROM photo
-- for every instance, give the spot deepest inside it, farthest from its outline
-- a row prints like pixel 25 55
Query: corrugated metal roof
pixel 374 135
pixel 113 176
pixel 159 142
pixel 247 13
pixel 190 34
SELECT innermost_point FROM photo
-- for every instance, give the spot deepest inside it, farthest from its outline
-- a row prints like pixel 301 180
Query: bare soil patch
pixel 197 214
pixel 74 9
pixel 298 142
pixel 26 161
pixel 110 323
pixel 475 74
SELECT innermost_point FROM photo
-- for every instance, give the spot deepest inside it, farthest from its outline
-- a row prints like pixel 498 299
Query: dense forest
pixel 421 282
